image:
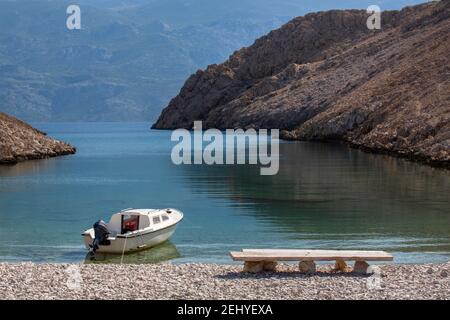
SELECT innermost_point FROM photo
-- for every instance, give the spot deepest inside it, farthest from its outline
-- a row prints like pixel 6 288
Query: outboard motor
pixel 102 233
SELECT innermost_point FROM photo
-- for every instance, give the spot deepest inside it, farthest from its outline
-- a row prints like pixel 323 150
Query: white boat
pixel 132 230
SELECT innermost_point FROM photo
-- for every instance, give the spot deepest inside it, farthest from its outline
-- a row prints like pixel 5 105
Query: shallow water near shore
pixel 324 196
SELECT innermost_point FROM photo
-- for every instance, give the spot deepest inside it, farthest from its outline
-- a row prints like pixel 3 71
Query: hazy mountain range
pixel 131 56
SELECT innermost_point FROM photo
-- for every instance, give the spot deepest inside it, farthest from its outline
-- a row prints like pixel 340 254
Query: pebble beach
pixel 212 281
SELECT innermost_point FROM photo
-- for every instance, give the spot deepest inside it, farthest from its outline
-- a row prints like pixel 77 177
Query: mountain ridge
pixel 325 76
pixel 130 56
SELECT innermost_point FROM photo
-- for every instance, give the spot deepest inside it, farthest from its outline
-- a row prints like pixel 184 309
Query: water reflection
pixel 30 167
pixel 325 196
pixel 340 196
pixel 163 252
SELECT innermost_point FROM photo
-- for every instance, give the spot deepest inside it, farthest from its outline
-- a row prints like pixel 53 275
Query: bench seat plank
pixel 309 255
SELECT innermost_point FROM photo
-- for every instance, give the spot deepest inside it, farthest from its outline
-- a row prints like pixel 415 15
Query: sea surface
pixel 325 195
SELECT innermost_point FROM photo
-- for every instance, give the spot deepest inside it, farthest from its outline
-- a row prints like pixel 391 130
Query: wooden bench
pixel 257 260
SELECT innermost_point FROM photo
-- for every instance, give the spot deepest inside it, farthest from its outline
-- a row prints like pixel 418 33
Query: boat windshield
pixel 129 223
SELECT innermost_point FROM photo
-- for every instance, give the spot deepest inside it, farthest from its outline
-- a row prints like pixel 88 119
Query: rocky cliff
pixel 326 76
pixel 19 141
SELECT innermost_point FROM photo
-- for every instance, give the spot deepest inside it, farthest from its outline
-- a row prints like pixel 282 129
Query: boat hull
pixel 138 242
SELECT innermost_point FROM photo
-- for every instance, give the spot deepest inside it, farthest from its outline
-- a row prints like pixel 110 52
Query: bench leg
pixel 360 267
pixel 253 266
pixel 270 266
pixel 258 266
pixel 340 265
pixel 307 266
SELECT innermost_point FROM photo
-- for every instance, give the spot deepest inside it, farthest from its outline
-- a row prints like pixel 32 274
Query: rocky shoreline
pixel 212 281
pixel 19 142
pixel 407 156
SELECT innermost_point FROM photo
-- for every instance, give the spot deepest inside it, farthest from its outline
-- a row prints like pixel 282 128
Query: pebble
pixel 213 281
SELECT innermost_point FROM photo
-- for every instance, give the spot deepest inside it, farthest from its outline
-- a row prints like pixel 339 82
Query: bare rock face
pixel 19 141
pixel 327 76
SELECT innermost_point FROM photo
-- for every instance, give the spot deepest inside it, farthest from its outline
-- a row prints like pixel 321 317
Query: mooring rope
pixel 123 250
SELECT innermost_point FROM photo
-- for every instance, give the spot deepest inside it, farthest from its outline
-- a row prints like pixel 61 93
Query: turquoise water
pixel 325 196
